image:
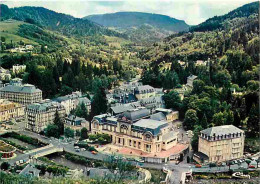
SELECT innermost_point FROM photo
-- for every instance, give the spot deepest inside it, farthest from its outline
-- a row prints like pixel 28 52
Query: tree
pixel 59 123
pixel 218 119
pixel 222 78
pixel 172 100
pixel 99 102
pixel 190 119
pixel 198 86
pixel 52 131
pixel 5 166
pixel 68 132
pixel 253 121
pixel 84 133
pixel 195 138
pixel 204 122
pixel 2 39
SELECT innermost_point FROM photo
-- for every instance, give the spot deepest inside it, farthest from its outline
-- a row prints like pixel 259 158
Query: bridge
pixel 39 152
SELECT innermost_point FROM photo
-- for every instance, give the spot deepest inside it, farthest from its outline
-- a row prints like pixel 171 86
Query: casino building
pixel 134 130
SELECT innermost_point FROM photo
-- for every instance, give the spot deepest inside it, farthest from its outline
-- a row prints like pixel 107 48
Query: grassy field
pixel 116 42
pixel 9 29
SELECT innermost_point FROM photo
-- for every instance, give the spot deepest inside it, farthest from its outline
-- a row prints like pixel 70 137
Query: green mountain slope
pixel 141 26
pixel 54 21
pixel 220 22
pixel 236 32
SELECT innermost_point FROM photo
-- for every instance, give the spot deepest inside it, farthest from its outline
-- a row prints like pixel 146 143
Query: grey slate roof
pixel 192 77
pixel 144 89
pixel 30 170
pixel 122 108
pixel 159 116
pixel 149 125
pixel 43 106
pixel 27 88
pixel 153 99
pixel 136 114
pixel 168 135
pixel 221 130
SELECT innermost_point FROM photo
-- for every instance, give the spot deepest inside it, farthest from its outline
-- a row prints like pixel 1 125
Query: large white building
pixel 21 93
pixel 39 115
pixel 220 143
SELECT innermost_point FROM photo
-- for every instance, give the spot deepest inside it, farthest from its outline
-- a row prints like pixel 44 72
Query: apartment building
pixel 71 101
pixel 10 110
pixel 39 115
pixel 220 143
pixel 21 93
pixel 145 91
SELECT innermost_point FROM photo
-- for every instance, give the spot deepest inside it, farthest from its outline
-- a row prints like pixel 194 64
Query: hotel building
pixel 10 110
pixel 21 93
pixel 39 115
pixel 220 143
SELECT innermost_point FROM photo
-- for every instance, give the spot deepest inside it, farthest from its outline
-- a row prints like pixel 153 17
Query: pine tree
pixel 204 122
pixel 57 121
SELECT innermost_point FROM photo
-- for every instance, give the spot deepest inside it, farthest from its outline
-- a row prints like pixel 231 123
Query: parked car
pixel 76 147
pixel 198 166
pixel 251 166
pixel 78 150
pixel 83 149
pixel 94 152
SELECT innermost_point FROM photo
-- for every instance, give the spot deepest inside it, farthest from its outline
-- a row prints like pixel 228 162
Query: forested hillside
pixel 141 27
pixel 226 91
pixel 54 21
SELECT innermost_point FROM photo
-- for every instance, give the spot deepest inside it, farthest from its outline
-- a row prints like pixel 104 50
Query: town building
pixel 30 171
pixel 152 102
pixel 76 123
pixel 39 115
pixel 121 108
pixel 10 110
pixel 220 143
pixel 4 74
pixel 21 93
pixel 134 130
pixel 18 68
pixel 145 91
pixel 70 102
pixel 169 114
pixel 190 80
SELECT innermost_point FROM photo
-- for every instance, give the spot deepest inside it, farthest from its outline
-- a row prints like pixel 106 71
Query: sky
pixel 191 11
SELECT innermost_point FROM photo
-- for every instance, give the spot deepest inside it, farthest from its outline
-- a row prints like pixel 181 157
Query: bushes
pixel 100 138
pixel 82 160
pixel 23 138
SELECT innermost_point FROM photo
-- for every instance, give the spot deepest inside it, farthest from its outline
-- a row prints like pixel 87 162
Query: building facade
pixel 21 93
pixel 39 115
pixel 18 68
pixel 221 143
pixel 145 91
pixel 131 130
pixel 10 110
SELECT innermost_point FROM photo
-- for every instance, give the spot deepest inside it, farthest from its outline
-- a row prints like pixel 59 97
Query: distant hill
pixel 54 21
pixel 141 26
pixel 218 22
pixel 237 30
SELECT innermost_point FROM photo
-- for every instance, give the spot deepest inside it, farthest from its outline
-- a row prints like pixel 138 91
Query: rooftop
pixel 144 88
pixel 150 123
pixel 26 88
pixel 221 130
pixel 159 116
